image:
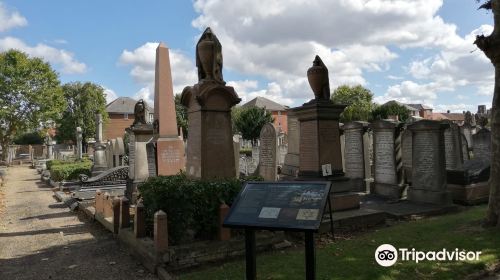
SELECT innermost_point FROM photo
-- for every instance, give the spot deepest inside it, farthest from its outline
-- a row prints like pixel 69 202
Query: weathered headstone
pixel 291 165
pixel 210 151
pixel 406 154
pixel 268 163
pixel 236 146
pixel 109 154
pixel 170 150
pixel 429 163
pixel 100 161
pixel 453 147
pixel 465 147
pixel 354 154
pixel 388 180
pixel 118 151
pixel 481 144
pixel 79 146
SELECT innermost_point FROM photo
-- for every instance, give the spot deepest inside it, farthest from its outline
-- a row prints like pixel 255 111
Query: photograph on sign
pixel 269 212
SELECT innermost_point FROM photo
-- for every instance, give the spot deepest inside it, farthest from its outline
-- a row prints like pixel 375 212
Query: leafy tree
pixel 30 94
pixel 249 122
pixel 490 45
pixel 29 138
pixel 391 108
pixel 358 100
pixel 181 115
pixel 84 101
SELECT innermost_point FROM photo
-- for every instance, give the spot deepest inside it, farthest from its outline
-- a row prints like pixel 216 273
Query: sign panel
pixel 279 206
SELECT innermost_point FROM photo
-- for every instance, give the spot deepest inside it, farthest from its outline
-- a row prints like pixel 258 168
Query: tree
pixel 84 101
pixel 181 115
pixel 30 94
pixel 391 108
pixel 358 100
pixel 249 122
pixel 490 45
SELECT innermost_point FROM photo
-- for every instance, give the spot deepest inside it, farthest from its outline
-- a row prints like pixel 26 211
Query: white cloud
pixel 59 57
pixel 142 60
pixel 278 40
pixel 146 94
pixel 10 19
pixel 110 95
pixel 410 92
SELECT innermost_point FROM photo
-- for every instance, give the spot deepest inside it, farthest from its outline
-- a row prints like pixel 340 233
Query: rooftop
pixel 124 105
pixel 263 102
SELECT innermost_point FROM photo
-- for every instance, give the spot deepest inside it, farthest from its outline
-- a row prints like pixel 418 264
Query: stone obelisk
pixel 170 156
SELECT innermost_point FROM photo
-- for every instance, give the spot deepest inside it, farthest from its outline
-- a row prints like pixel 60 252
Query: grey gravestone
pixel 481 144
pixel 268 161
pixel 100 160
pixel 151 154
pixel 467 130
pixel 354 154
pixel 453 147
pixel 387 159
pixel 236 146
pixel 429 163
pixel 291 165
pixel 406 154
pixel 79 139
pixel 465 147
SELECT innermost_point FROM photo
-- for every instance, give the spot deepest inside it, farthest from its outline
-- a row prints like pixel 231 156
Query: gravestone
pixel 429 163
pixel 109 154
pixel 151 154
pixel 236 146
pixel 465 147
pixel 467 130
pixel 79 146
pixel 453 147
pixel 100 161
pixel 291 165
pixel 170 152
pixel 342 144
pixel 406 154
pixel 268 157
pixel 481 145
pixel 388 179
pixel 114 162
pixel 210 151
pixel 140 134
pixel 118 151
pixel 354 154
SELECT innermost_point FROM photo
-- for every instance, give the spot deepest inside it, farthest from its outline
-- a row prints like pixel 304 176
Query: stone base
pixel 470 194
pixel 344 201
pixel 387 190
pixel 340 184
pixel 170 156
pixel 426 196
pixel 358 184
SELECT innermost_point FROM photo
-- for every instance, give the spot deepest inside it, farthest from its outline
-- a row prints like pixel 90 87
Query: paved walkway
pixel 41 239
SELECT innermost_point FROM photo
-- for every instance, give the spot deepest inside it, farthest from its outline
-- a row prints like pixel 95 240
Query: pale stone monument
pixel 354 154
pixel 118 152
pixel 236 146
pixel 109 154
pixel 388 176
pixel 210 152
pixel 429 163
pixel 100 161
pixel 141 133
pixel 453 147
pixel 167 145
pixel 465 148
pixel 481 147
pixel 79 146
pixel 268 158
pixel 406 154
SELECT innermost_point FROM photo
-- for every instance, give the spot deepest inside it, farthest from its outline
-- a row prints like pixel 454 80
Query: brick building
pixel 277 110
pixel 121 116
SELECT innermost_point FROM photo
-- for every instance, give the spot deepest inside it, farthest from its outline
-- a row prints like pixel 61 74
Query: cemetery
pixel 206 183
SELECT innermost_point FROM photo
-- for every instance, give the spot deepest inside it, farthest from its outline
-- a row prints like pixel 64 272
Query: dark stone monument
pixel 429 163
pixel 210 152
pixel 388 175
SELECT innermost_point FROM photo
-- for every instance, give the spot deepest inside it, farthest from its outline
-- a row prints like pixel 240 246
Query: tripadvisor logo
pixel 387 255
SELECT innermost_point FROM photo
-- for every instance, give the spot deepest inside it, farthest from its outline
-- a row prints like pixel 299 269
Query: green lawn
pixel 354 258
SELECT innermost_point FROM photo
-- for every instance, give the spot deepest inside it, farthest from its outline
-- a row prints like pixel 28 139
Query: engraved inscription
pixel 170 155
pixel 385 167
pixel 354 160
pixel 406 155
pixel 450 150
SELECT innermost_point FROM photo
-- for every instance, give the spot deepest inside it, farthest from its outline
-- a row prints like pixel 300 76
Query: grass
pixel 354 258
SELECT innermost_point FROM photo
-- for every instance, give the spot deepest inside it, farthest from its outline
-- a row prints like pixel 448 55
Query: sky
pixel 413 51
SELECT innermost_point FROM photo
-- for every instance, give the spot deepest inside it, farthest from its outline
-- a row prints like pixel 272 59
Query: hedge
pixel 191 205
pixel 64 171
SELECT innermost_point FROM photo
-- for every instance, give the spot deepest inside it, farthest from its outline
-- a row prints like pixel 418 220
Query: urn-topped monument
pixel 210 144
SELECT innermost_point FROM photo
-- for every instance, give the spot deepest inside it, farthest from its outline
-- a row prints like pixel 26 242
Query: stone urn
pixel 206 54
pixel 317 76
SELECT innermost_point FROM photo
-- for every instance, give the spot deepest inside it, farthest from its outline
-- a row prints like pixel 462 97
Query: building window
pixel 125 116
pixel 151 118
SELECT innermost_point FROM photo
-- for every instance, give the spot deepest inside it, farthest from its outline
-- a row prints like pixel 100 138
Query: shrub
pixel 64 171
pixel 191 205
pixel 54 162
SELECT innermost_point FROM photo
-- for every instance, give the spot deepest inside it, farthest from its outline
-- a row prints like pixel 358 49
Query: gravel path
pixel 41 239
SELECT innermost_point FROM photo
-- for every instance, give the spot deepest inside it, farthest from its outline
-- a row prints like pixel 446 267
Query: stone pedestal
pixel 429 163
pixel 388 180
pixel 140 135
pixel 210 152
pixel 291 165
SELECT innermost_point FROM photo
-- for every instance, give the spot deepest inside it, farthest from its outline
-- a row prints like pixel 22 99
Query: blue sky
pixel 417 51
